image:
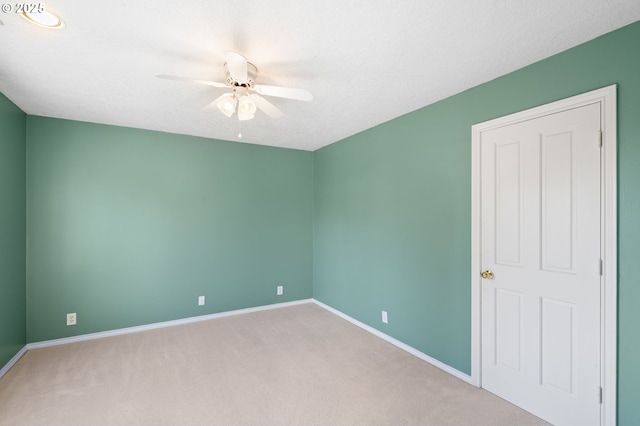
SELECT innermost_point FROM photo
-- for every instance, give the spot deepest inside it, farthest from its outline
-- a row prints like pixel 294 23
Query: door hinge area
pixel 600 394
pixel 600 139
pixel 601 267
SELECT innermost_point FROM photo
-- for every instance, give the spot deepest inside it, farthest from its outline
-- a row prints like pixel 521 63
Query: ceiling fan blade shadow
pixel 237 66
pixel 266 106
pixel 192 80
pixel 284 92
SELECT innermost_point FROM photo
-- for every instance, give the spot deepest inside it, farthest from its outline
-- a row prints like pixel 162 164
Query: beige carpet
pixel 299 365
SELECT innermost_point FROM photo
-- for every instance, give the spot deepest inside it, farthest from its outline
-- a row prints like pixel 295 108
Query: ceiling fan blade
pixel 237 66
pixel 214 104
pixel 266 106
pixel 192 80
pixel 284 92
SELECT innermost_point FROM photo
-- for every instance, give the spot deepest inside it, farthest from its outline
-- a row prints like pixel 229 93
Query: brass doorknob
pixel 487 275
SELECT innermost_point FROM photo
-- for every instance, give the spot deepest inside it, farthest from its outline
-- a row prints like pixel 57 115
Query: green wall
pixel 128 227
pixel 392 207
pixel 12 230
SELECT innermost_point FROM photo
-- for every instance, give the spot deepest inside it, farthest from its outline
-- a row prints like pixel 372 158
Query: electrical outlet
pixel 385 319
pixel 200 300
pixel 71 319
pixel 280 290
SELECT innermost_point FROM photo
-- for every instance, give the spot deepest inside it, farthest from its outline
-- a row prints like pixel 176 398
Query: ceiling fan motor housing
pixel 252 71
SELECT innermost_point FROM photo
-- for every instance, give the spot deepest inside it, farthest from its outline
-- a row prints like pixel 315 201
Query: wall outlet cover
pixel 280 290
pixel 200 300
pixel 385 319
pixel 71 319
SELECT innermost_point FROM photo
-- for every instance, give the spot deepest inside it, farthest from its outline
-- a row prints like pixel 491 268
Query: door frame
pixel 608 232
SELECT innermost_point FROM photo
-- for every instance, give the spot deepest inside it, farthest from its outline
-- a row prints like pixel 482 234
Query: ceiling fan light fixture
pixel 227 105
pixel 246 108
pixel 244 97
pixel 44 18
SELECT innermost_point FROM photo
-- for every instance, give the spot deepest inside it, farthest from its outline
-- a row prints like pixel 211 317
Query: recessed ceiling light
pixel 44 19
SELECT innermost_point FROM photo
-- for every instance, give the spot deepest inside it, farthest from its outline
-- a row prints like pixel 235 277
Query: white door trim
pixel 609 336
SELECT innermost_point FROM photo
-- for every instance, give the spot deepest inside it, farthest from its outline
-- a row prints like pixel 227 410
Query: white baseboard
pixel 12 361
pixel 459 374
pixel 163 324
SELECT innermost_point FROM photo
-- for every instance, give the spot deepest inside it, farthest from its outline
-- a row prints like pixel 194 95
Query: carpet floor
pixel 299 365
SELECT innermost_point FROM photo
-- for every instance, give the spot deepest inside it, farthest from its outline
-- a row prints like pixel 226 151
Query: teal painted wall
pixel 392 207
pixel 12 230
pixel 128 227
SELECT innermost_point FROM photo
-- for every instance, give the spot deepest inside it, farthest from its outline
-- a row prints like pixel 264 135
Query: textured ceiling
pixel 365 62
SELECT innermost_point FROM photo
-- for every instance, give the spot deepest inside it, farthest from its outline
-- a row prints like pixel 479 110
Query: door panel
pixel 540 207
pixel 508 203
pixel 508 329
pixel 557 199
pixel 558 335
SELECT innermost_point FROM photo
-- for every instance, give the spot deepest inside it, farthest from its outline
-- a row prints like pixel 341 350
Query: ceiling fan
pixel 245 96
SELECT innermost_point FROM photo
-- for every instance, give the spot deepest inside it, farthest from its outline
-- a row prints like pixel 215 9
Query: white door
pixel 540 207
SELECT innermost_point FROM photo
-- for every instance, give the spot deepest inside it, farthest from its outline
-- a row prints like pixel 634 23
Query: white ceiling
pixel 365 62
